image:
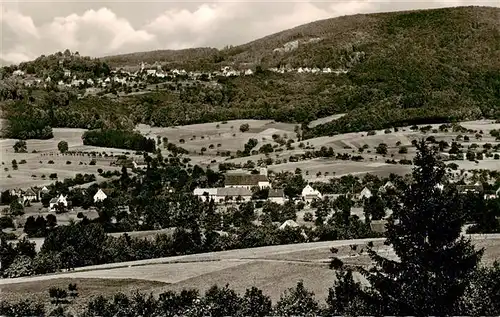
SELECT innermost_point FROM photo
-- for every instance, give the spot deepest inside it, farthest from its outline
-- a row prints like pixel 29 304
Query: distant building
pixel 289 223
pixel 100 196
pixel 234 194
pixel 309 194
pixel 56 201
pixel 475 189
pixel 247 180
pixel 365 193
pixel 206 193
pixel 276 196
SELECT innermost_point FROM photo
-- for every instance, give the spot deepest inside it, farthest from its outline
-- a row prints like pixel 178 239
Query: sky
pixel 30 28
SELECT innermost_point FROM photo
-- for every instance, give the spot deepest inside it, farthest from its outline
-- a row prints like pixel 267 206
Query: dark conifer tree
pixel 435 263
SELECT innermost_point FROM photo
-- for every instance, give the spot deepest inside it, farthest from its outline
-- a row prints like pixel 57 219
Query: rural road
pixel 240 255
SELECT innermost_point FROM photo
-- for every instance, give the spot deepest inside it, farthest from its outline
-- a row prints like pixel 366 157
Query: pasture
pixel 272 269
pixel 37 164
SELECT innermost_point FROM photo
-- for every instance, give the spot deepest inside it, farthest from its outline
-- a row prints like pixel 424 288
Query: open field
pixel 87 289
pixel 219 136
pixel 273 269
pixel 324 120
pixel 37 163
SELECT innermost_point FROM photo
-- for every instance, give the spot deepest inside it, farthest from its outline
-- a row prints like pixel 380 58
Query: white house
pixel 365 193
pixel 309 193
pixel 206 193
pixel 387 186
pixel 276 196
pixel 289 223
pixel 56 201
pixel 100 196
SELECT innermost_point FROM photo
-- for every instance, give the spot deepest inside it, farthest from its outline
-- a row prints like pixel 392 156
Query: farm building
pixel 246 180
pixel 277 196
pixel 365 194
pixel 100 196
pixel 309 194
pixel 206 193
pixel 233 193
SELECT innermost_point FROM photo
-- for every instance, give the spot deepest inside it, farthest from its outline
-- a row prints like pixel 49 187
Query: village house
pixel 288 224
pixel 365 194
pixel 205 194
pixel 100 196
pixel 477 188
pixel 233 194
pixel 28 196
pixel 309 194
pixel 388 185
pixel 276 196
pixel 56 201
pixel 247 180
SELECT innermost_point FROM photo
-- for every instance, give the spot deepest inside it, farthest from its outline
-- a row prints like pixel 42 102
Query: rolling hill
pixel 402 68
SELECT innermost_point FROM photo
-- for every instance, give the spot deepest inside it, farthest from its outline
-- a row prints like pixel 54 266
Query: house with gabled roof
pixel 100 196
pixel 234 194
pixel 365 194
pixel 205 194
pixel 58 200
pixel 309 194
pixel 276 196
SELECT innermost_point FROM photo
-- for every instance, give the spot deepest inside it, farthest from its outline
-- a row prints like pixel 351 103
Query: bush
pixel 308 217
pixel 50 162
pixel 244 127
pixel 371 133
pixel 22 162
pixel 93 162
pixel 68 162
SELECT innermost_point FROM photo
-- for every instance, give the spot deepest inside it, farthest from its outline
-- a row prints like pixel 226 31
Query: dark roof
pixel 235 192
pixel 245 179
pixel 276 193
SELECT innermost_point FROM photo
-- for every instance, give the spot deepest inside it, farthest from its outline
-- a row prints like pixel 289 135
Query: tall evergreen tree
pixel 435 263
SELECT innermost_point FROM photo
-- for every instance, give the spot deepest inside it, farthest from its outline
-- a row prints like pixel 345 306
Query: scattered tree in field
pixel 62 146
pixel 403 150
pixel 20 147
pixel 244 127
pixel 381 149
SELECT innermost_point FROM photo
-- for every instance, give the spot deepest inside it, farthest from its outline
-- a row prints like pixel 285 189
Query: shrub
pixel 371 133
pixel 68 162
pixel 244 127
pixel 22 162
pixel 93 162
pixel 50 162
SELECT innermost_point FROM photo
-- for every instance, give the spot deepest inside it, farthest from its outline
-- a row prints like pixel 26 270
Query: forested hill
pixel 401 68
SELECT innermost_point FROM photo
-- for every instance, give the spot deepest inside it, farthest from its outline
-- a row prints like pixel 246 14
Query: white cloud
pixel 95 30
pixel 21 25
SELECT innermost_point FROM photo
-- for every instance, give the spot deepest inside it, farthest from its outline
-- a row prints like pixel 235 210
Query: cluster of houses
pixel 238 187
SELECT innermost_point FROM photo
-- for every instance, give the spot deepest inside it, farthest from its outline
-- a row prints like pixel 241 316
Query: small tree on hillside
pixel 20 147
pixel 63 146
